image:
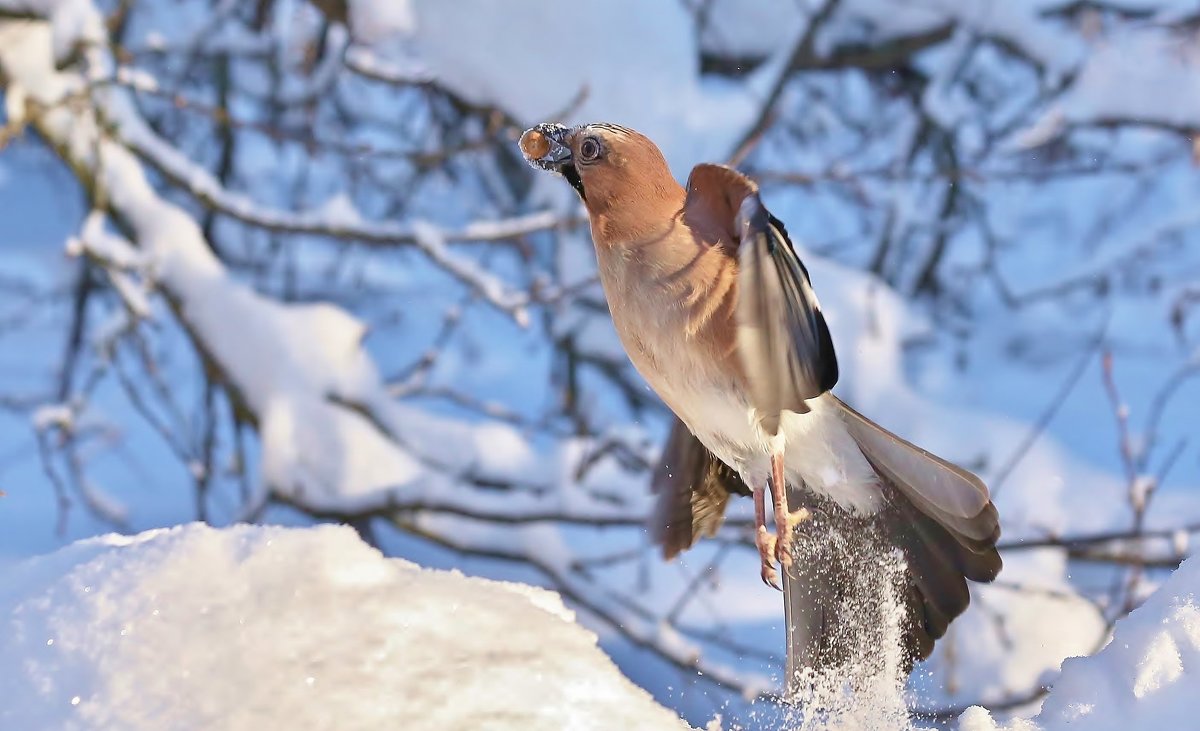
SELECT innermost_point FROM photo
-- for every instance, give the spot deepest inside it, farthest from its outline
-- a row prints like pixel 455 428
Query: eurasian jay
pixel 718 314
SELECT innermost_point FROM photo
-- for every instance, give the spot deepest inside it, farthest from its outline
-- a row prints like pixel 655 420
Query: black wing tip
pixel 990 565
pixel 785 344
pixel 829 363
pixel 827 366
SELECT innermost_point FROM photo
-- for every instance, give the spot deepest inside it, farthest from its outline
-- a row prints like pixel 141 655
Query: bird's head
pixel 620 175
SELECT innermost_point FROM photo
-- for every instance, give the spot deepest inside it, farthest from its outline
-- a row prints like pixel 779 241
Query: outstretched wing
pixel 693 487
pixel 782 339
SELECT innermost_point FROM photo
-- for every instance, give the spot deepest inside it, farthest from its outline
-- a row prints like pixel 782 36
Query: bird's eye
pixel 589 149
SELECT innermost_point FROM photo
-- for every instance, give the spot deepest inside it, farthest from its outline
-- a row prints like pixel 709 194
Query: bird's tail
pixel 940 518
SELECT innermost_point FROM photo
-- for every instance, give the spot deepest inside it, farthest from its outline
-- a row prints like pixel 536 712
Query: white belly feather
pixel 819 453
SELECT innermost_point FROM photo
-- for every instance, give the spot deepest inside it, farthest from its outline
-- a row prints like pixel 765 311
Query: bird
pixel 718 314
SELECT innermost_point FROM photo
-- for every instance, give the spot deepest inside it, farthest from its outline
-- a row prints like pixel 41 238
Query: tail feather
pixel 940 516
pixel 937 569
pixel 955 498
pixel 937 514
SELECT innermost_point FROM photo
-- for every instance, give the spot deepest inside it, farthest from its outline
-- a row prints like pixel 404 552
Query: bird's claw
pixel 767 548
pixel 796 517
pixel 783 531
pixel 770 577
pixel 777 546
pixel 783 550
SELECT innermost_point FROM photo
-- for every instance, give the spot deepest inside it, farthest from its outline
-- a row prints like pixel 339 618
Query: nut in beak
pixel 534 144
pixel 545 146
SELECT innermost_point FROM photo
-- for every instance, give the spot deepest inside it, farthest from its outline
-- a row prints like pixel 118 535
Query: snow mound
pixel 1146 677
pixel 274 628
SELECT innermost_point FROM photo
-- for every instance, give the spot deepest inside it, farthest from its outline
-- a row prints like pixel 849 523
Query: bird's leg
pixel 763 539
pixel 785 521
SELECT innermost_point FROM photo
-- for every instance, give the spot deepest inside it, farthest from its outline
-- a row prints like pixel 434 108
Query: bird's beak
pixel 546 146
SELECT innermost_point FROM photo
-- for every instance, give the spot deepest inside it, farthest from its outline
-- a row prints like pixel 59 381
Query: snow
pixel 96 241
pixel 866 692
pixel 253 628
pixel 53 415
pixel 760 28
pixel 1103 86
pixel 73 21
pixel 433 242
pixel 286 361
pixel 373 22
pixel 691 118
pixel 1016 22
pixel 119 258
pixel 1146 677
pixel 332 219
pixel 1109 87
pixel 340 211
pixel 751 27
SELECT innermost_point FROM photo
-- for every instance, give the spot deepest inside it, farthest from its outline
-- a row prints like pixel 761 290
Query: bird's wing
pixel 693 487
pixel 782 339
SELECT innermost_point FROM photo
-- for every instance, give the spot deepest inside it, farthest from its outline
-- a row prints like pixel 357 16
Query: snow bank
pixel 1147 677
pixel 273 628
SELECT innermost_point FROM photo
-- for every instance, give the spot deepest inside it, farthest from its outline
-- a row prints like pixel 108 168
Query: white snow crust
pixel 1147 677
pixel 276 628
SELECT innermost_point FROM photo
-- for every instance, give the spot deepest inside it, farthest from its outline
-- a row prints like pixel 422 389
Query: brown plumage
pixel 717 312
pixel 693 488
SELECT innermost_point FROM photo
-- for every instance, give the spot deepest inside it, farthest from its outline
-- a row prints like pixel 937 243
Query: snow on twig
pixel 424 236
